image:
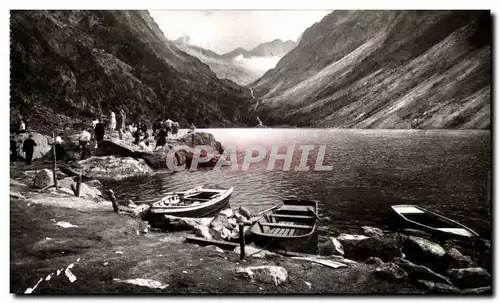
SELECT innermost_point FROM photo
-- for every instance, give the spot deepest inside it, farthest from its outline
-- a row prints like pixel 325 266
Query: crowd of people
pixel 94 135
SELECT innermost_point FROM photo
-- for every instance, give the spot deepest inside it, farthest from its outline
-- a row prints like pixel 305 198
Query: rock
pixel 43 147
pixel 415 232
pixel 66 182
pixel 423 251
pixel 220 232
pixel 437 287
pixel 43 179
pixel 139 212
pixel 88 191
pixel 390 271
pixel 470 277
pixel 228 212
pixel 242 219
pixel 349 237
pixel 245 212
pixel 265 274
pixel 386 247
pixel 202 231
pixel 67 191
pixel 16 183
pixel 374 261
pixel 114 168
pixel 419 272
pixel 331 247
pixel 94 183
pixel 220 227
pixel 119 148
pixel 454 259
pixel 479 291
pixel 216 248
pixel 371 231
pixel 180 223
pixel 17 195
pixel 252 251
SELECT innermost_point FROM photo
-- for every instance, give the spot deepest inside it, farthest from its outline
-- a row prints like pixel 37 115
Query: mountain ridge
pixel 384 69
pixel 68 66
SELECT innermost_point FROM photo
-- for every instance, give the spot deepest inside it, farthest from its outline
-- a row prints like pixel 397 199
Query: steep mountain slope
pixel 275 48
pixel 384 69
pixel 67 65
pixel 224 68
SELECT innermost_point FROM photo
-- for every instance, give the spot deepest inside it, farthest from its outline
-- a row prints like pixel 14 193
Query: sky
pixel 223 31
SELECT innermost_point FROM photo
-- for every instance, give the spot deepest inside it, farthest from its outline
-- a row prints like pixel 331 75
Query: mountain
pixel 275 48
pixel 384 69
pixel 67 66
pixel 224 68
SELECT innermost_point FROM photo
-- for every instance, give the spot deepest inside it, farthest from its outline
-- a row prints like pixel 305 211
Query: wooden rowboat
pixel 289 227
pixel 198 202
pixel 438 225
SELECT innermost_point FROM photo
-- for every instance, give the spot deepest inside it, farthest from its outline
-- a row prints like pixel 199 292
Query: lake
pixel 443 170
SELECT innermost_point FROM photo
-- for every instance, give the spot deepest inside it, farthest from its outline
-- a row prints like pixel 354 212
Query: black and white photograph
pixel 251 152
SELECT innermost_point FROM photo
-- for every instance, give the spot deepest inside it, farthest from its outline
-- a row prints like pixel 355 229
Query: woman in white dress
pixel 112 122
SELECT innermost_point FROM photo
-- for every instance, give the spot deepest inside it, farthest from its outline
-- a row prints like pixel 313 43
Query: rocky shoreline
pixel 122 252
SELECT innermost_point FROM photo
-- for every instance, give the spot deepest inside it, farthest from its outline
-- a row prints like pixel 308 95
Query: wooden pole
pixel 113 200
pixel 55 161
pixel 242 241
pixel 78 184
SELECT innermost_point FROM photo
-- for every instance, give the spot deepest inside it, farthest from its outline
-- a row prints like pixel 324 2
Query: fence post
pixel 54 168
pixel 242 241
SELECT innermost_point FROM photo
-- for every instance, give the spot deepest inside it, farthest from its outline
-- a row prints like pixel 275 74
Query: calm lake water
pixel 442 170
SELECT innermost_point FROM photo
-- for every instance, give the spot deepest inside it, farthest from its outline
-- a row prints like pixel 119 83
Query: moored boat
pixel 198 202
pixel 417 217
pixel 290 226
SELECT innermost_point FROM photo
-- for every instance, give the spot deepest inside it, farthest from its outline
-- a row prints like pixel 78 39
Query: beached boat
pixel 438 225
pixel 198 202
pixel 289 226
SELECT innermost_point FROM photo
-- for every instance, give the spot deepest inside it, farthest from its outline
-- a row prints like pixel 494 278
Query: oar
pixel 314 213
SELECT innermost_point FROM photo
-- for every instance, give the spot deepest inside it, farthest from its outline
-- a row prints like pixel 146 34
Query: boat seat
pixel 287 225
pixel 291 216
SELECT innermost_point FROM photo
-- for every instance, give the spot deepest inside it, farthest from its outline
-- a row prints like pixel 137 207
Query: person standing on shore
pixel 124 119
pixel 60 152
pixel 168 126
pixel 28 149
pixel 94 123
pixel 99 133
pixel 84 141
pixel 13 149
pixel 175 129
pixel 22 127
pixel 112 122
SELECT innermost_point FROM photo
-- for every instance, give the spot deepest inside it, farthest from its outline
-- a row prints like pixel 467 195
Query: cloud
pixel 257 64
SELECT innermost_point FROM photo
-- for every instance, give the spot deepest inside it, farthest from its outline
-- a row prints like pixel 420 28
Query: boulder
pixel 245 212
pixel 220 227
pixel 470 277
pixel 386 247
pixel 228 212
pixel 94 183
pixel 371 231
pixel 140 212
pixel 419 272
pixel 180 223
pixel 119 148
pixel 43 178
pixel 252 251
pixel 423 251
pixel 350 237
pixel 454 259
pixel 66 182
pixel 67 191
pixel 435 287
pixel 374 261
pixel 114 168
pixel 43 147
pixel 479 291
pixel 415 232
pixel 89 191
pixel 265 274
pixel 202 231
pixel 391 272
pixel 331 247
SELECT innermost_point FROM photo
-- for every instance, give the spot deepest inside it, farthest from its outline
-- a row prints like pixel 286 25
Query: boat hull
pixel 290 227
pixel 157 215
pixel 403 220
